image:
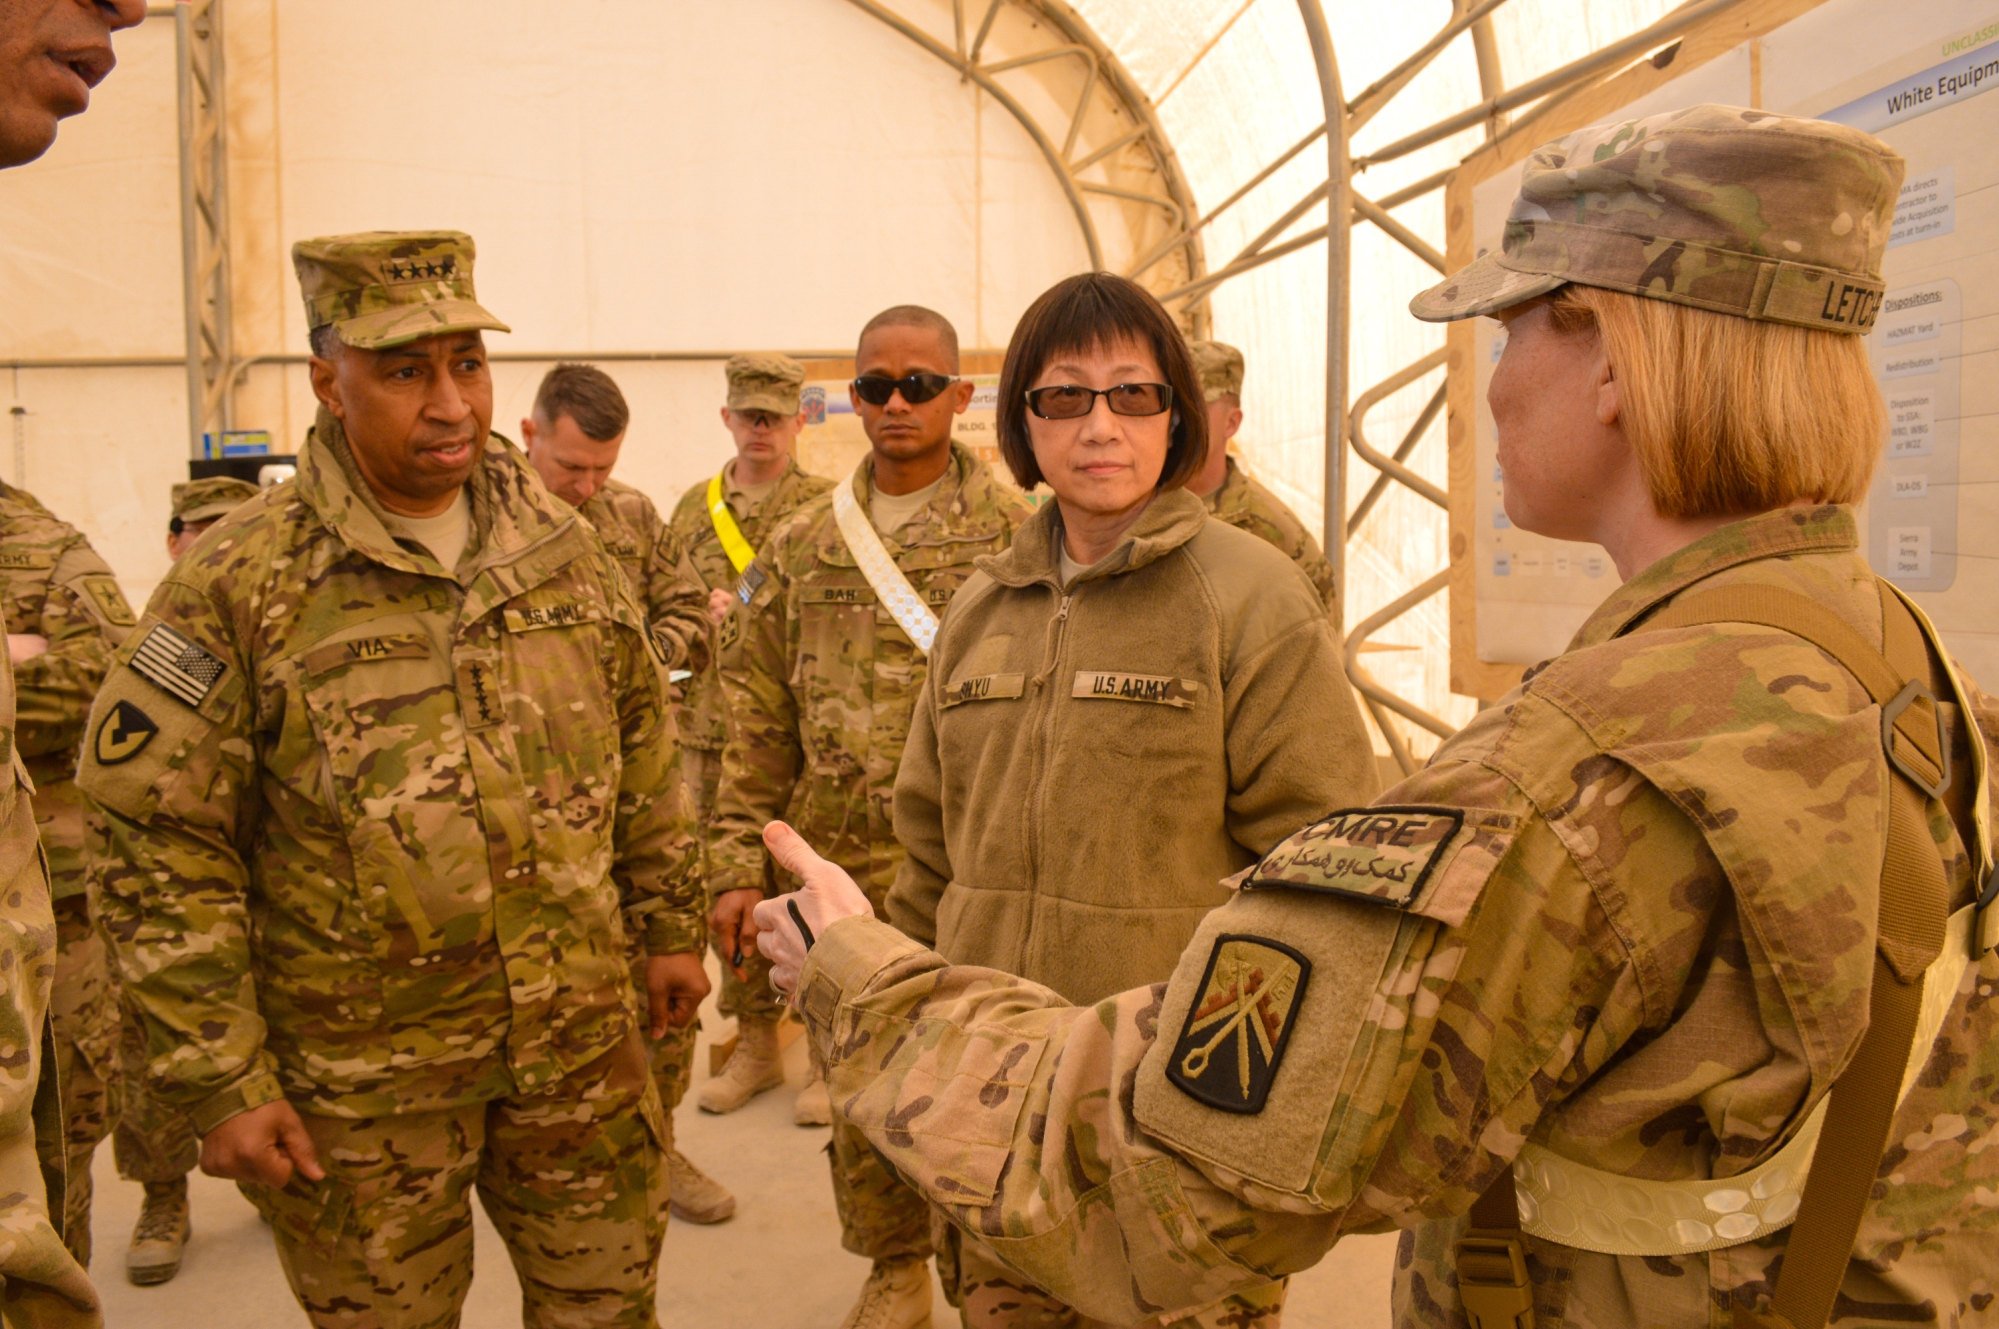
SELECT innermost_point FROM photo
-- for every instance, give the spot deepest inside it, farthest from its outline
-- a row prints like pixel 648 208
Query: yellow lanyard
pixel 733 544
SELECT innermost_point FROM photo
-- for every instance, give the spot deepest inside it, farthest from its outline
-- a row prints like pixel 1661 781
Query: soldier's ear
pixel 325 385
pixel 1609 391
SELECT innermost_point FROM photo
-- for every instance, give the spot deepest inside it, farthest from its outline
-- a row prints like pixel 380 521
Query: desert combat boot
pixel 160 1235
pixel 896 1296
pixel 753 1067
pixel 696 1196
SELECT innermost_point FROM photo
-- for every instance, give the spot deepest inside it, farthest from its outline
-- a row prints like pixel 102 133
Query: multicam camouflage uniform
pixel 1627 916
pixel 153 1141
pixel 1684 817
pixel 654 559
pixel 1240 500
pixel 676 608
pixel 701 713
pixel 377 832
pixel 56 586
pixel 1247 505
pixel 821 690
pixel 40 1281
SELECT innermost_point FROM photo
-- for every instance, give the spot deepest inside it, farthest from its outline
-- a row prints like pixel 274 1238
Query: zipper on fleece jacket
pixel 1044 736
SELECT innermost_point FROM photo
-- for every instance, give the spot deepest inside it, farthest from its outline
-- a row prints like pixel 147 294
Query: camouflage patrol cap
pixel 1743 212
pixel 385 288
pixel 765 382
pixel 1219 367
pixel 211 497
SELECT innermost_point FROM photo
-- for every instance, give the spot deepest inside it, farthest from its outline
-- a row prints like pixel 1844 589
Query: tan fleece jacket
pixel 1085 768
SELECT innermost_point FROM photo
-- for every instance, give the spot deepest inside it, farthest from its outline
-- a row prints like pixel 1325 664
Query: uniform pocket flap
pixel 1155 689
pixel 948 1124
pixel 1420 859
pixel 982 687
pixel 321 660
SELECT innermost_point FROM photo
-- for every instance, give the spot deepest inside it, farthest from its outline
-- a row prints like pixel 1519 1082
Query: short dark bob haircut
pixel 1090 312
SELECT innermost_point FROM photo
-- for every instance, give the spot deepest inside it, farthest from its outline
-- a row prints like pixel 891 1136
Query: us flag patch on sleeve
pixel 178 666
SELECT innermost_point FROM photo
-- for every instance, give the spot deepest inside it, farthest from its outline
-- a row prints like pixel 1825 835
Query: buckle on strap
pixel 1911 691
pixel 1492 1280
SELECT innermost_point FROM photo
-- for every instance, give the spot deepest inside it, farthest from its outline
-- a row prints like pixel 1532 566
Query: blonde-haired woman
pixel 1664 994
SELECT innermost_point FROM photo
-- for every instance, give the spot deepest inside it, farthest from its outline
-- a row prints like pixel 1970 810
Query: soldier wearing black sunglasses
pixel 840 609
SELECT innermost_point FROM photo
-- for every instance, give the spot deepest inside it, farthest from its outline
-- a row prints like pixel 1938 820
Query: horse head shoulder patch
pixel 1235 1034
pixel 122 734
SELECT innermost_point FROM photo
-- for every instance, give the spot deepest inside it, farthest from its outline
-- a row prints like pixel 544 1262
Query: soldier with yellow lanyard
pixel 1663 995
pixel 720 521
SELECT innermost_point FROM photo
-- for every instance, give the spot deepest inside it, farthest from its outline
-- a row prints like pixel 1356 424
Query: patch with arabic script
pixel 1236 1032
pixel 1380 854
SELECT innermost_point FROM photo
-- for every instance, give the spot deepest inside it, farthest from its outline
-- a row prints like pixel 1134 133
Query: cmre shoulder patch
pixel 122 734
pixel 1229 1050
pixel 1384 854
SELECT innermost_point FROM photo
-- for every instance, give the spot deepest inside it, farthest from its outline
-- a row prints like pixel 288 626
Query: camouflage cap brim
pixel 399 325
pixel 1728 209
pixel 211 510
pixel 774 400
pixel 1484 286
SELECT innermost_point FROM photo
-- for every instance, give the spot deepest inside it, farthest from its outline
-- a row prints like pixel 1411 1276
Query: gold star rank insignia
pixel 1234 1038
pixel 123 734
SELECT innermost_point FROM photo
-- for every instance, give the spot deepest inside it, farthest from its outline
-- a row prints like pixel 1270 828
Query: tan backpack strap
pixel 1915 900
pixel 1899 682
pixel 1491 1260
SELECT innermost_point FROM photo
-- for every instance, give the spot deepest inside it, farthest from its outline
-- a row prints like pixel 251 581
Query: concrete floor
pixel 777 1265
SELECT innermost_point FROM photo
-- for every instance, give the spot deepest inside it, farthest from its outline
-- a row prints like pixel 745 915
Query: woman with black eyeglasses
pixel 1133 693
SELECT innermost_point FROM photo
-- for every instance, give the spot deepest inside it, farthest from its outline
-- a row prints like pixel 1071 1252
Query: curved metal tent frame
pixel 1102 138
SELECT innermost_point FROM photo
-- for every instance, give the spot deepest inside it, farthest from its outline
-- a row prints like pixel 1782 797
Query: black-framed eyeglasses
pixel 1071 401
pixel 876 389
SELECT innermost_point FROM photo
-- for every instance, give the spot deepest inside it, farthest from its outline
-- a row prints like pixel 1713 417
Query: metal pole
pixel 969 68
pixel 190 248
pixel 1613 56
pixel 1339 252
pixel 204 216
pixel 1379 93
